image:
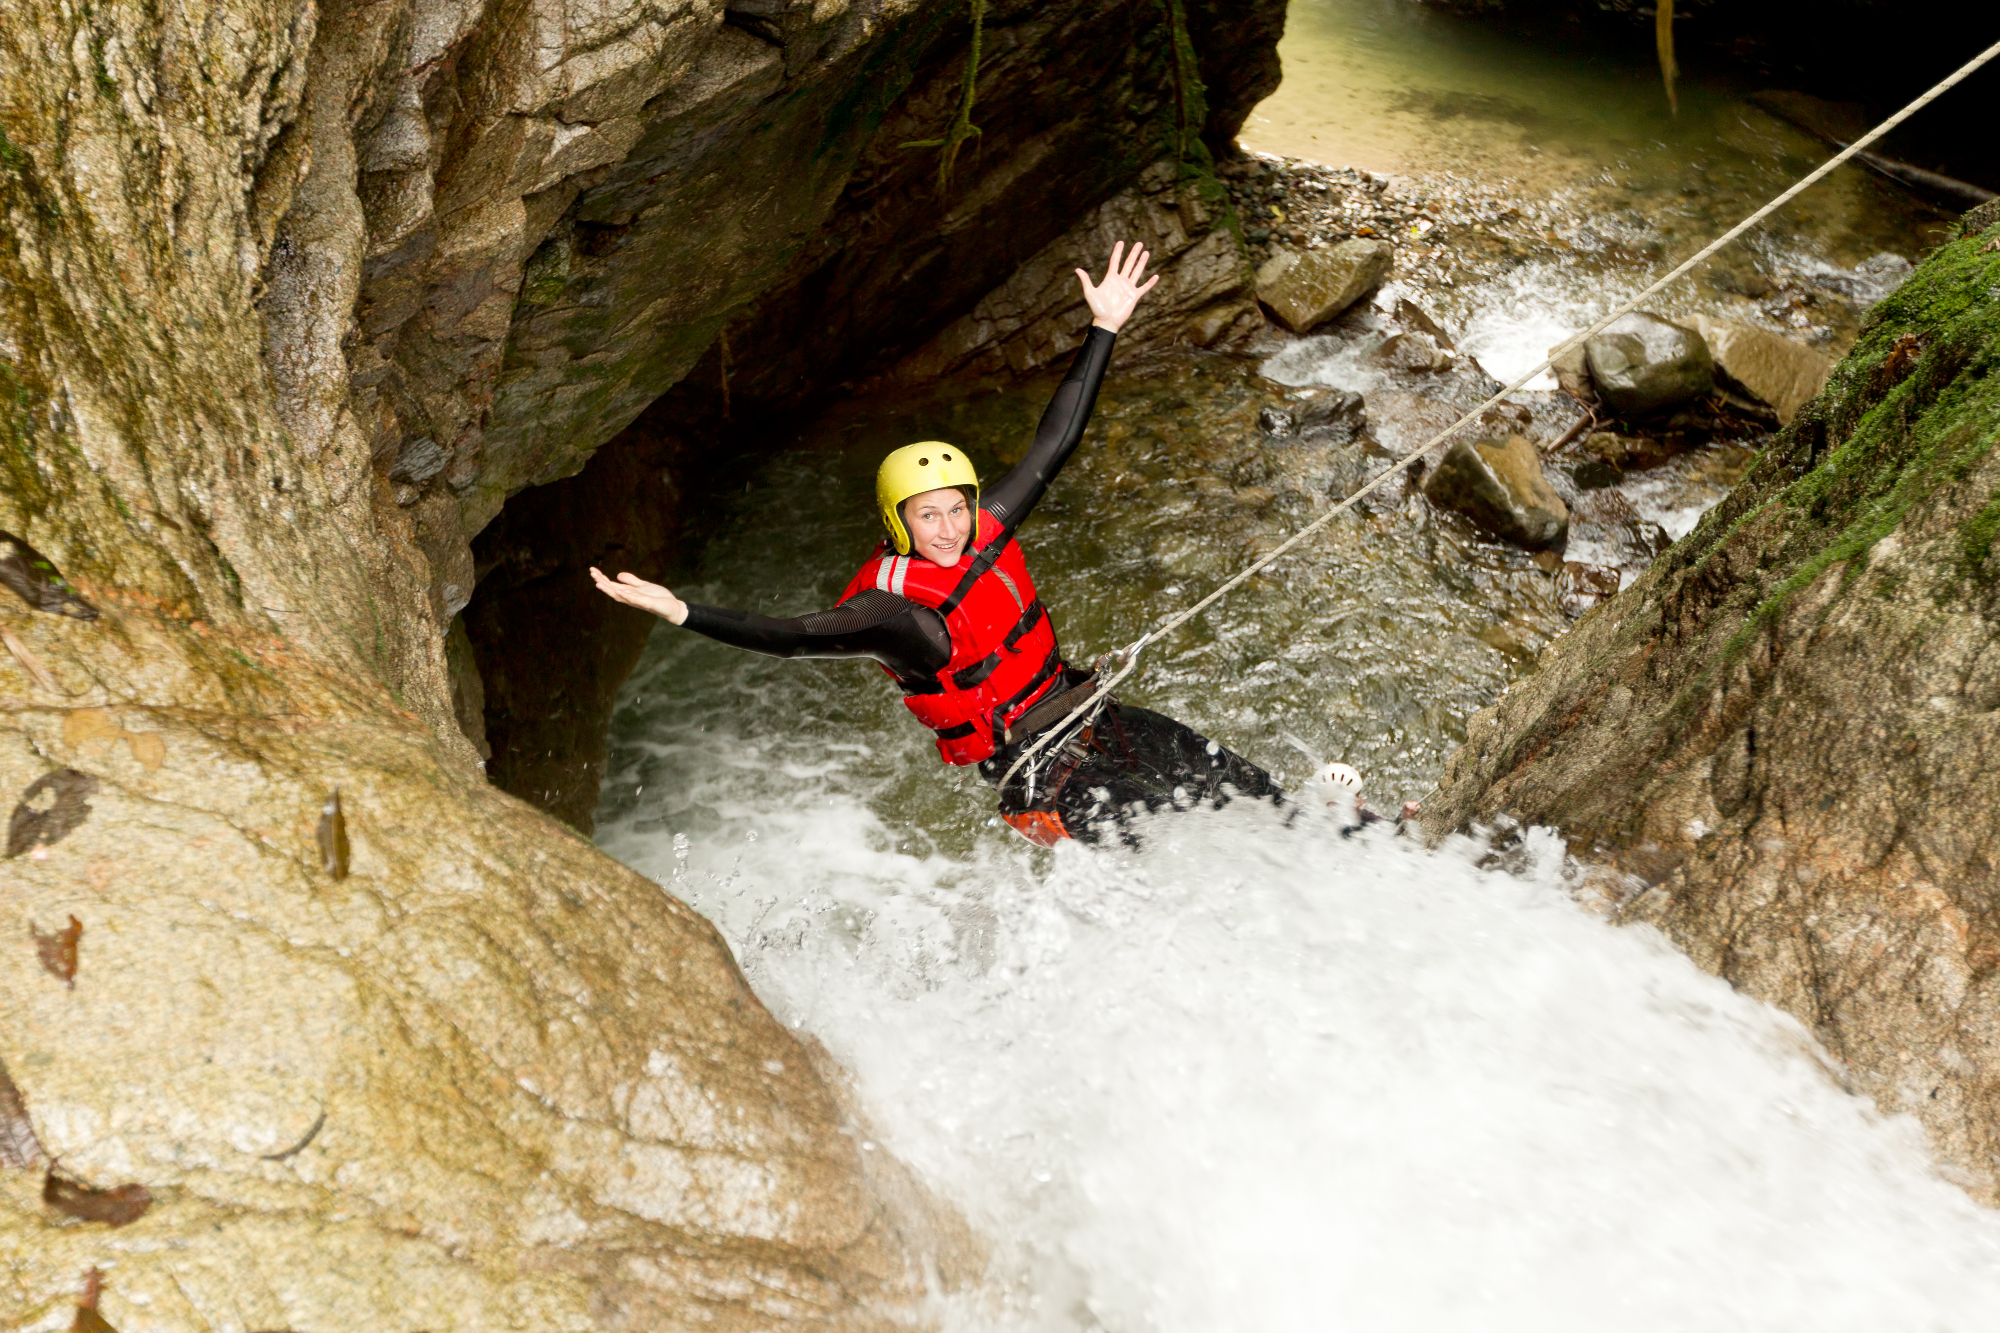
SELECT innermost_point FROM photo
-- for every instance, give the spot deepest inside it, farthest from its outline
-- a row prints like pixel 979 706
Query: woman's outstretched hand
pixel 1111 301
pixel 635 591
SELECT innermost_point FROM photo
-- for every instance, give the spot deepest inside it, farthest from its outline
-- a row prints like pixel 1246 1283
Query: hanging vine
pixel 961 127
pixel 1190 93
pixel 1663 39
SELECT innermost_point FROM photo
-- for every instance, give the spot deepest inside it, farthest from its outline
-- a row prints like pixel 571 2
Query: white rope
pixel 1130 653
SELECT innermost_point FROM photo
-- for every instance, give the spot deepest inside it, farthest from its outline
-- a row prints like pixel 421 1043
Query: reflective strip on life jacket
pixel 890 577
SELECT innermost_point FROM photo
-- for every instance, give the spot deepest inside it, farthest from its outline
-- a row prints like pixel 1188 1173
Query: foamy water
pixel 1265 1077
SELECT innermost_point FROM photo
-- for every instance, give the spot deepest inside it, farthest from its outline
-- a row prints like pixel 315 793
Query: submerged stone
pixel 1306 290
pixel 1641 364
pixel 1499 485
pixel 1581 587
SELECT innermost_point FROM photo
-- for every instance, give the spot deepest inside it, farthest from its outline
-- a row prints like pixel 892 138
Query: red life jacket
pixel 1003 650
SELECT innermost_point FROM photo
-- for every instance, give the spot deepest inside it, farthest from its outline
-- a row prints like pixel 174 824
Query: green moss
pixel 1190 93
pixel 883 78
pixel 1977 533
pixel 11 158
pixel 1914 409
pixel 106 85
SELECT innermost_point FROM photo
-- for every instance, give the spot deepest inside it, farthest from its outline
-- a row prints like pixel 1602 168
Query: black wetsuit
pixel 1135 756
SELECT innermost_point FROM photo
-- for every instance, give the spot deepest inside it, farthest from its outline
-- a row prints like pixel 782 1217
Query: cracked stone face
pixel 1778 741
pixel 293 298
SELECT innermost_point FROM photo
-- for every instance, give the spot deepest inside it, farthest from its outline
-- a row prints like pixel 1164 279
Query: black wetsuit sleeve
pixel 1011 498
pixel 905 636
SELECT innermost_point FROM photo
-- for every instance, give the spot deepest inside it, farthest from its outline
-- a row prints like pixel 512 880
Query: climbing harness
pixel 1129 654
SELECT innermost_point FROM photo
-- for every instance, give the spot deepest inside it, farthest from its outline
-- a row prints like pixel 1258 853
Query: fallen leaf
pixel 332 835
pixel 51 809
pixel 58 950
pixel 38 582
pixel 113 1207
pixel 37 670
pixel 18 1145
pixel 87 1319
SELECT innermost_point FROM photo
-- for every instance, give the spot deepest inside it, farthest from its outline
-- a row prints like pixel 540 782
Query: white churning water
pixel 1267 1078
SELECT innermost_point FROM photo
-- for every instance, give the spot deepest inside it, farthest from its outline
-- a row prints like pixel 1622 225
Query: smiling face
pixel 940 524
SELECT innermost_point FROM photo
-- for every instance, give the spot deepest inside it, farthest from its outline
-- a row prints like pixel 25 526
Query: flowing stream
pixel 1257 1074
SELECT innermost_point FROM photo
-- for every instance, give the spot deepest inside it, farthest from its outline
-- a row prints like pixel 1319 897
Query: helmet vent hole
pixel 923 462
pixel 945 457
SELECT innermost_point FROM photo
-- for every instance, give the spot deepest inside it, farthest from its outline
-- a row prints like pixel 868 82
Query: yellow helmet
pixel 927 465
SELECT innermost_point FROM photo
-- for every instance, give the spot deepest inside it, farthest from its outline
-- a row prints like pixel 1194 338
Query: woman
pixel 946 606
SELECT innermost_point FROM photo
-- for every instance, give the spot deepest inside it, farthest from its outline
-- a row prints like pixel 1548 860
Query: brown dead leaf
pixel 114 1207
pixel 50 810
pixel 19 1147
pixel 38 582
pixel 332 835
pixel 37 670
pixel 58 950
pixel 88 1320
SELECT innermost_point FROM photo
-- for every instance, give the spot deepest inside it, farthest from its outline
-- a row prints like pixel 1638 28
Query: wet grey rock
pixel 1412 353
pixel 419 460
pixel 1791 740
pixel 1413 318
pixel 1335 411
pixel 1642 364
pixel 1499 485
pixel 1595 474
pixel 1275 422
pixel 1306 290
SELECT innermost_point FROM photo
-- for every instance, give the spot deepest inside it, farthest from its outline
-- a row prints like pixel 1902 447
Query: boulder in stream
pixel 1641 364
pixel 1499 485
pixel 1773 370
pixel 1305 290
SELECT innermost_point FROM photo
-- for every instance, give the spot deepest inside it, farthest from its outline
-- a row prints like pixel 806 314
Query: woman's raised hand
pixel 1111 301
pixel 635 591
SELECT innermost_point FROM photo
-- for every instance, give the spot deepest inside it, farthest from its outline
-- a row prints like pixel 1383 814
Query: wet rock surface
pixel 1774 371
pixel 1498 484
pixel 844 261
pixel 1779 734
pixel 291 299
pixel 1306 290
pixel 1641 364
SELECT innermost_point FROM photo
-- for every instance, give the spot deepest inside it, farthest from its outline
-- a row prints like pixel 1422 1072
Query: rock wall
pixel 1092 122
pixel 293 297
pixel 1783 736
